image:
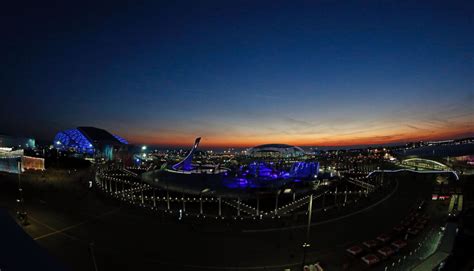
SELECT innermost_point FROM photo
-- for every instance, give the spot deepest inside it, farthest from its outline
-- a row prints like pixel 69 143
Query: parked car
pixel 413 231
pixel 383 238
pixel 370 259
pixel 399 244
pixel 399 228
pixel 355 250
pixel 386 251
pixel 370 243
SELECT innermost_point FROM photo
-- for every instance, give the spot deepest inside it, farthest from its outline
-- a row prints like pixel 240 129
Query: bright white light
pixel 143 148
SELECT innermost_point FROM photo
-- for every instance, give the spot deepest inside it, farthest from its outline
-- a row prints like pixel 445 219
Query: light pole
pixel 258 205
pixel 21 213
pixel 200 204
pixel 238 206
pixel 276 202
pixel 91 250
pixel 306 244
pixel 167 199
pixel 184 203
pixel 19 182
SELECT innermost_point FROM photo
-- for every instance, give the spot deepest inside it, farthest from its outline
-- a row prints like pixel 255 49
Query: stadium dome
pixel 87 140
pixel 276 151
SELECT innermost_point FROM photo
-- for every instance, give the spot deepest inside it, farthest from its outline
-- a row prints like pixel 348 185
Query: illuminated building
pixel 259 176
pixel 16 142
pixel 276 151
pixel 15 161
pixel 89 141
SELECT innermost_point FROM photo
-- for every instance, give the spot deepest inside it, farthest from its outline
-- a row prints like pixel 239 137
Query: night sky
pixel 240 73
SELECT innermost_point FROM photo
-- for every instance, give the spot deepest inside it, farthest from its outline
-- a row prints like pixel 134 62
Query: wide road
pixel 77 225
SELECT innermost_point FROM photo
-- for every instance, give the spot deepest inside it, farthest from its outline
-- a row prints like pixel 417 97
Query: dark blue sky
pixel 240 72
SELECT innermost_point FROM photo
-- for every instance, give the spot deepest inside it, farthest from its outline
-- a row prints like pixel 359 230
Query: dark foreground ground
pixel 76 225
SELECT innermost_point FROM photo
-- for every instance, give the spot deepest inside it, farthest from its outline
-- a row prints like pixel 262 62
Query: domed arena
pixel 276 151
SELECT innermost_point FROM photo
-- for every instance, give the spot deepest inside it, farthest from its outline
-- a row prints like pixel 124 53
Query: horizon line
pixel 361 145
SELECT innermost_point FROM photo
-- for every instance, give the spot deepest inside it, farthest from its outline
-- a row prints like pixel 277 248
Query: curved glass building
pixel 88 140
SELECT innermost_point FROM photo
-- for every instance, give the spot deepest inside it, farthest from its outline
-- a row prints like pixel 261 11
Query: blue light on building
pixel 89 141
pixel 73 139
pixel 121 139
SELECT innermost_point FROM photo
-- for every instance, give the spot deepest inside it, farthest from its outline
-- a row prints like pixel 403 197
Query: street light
pixel 306 244
pixel 21 213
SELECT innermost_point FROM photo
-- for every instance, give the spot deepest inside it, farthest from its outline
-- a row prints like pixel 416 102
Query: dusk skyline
pixel 237 135
pixel 322 73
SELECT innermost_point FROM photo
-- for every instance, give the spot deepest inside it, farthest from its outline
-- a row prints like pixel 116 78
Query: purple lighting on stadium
pixel 257 175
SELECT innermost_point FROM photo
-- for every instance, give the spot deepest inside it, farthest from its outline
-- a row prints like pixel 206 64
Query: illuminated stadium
pixel 89 141
pixel 243 189
pixel 275 151
pixel 264 176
